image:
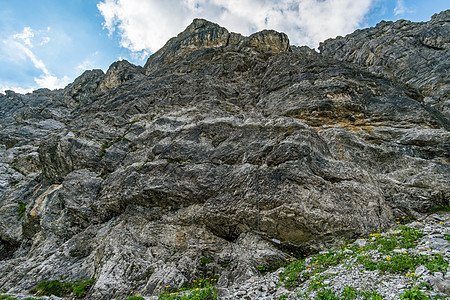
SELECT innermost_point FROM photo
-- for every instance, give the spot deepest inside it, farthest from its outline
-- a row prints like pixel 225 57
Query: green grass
pixel 413 294
pixel 6 297
pixel 205 291
pixel 291 275
pixel 371 296
pixel 349 293
pixel 21 209
pixel 403 263
pixel 60 288
pixel 326 295
pixel 438 209
pixel 409 237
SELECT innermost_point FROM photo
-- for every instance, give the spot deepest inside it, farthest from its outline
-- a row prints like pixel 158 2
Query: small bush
pixel 326 295
pixel 53 287
pixel 59 288
pixel 291 275
pixel 439 208
pixel 7 297
pixel 21 209
pixel 413 294
pixel 79 287
pixel 371 296
pixel 349 293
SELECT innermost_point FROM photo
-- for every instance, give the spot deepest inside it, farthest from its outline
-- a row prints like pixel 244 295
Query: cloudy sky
pixel 48 43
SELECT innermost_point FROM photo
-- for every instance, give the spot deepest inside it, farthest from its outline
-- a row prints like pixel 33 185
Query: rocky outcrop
pixel 227 152
pixel 416 54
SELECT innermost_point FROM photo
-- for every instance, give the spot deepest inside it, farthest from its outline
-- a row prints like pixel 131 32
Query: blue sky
pixel 48 43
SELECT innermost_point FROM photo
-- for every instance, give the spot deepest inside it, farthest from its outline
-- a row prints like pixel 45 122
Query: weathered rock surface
pixel 417 54
pixel 220 154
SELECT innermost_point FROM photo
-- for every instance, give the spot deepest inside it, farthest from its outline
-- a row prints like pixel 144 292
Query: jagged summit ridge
pixel 203 34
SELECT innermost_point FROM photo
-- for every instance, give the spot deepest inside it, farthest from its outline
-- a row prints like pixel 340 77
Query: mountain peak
pixel 203 34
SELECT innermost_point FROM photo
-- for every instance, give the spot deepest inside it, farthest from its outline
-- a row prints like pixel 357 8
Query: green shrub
pixel 21 209
pixel 79 287
pixel 410 236
pixel 349 293
pixel 402 263
pixel 59 288
pixel 371 296
pixel 291 275
pixel 7 297
pixel 413 294
pixel 439 208
pixel 326 295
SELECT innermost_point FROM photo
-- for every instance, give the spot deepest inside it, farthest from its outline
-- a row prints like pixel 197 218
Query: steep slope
pixel 417 54
pixel 220 154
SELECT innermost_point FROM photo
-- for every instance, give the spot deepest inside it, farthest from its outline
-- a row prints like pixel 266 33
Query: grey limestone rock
pixel 217 157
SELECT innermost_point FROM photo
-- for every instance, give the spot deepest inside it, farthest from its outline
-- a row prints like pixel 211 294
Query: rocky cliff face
pixel 219 155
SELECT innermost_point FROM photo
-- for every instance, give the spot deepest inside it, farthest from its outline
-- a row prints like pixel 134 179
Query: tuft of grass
pixel 438 209
pixel 413 294
pixel 7 297
pixel 292 274
pixel 326 295
pixel 206 260
pixel 21 209
pixel 371 296
pixel 205 291
pixel 402 263
pixel 60 288
pixel 349 293
pixel 80 287
pixel 410 236
pixel 104 148
pixel 53 287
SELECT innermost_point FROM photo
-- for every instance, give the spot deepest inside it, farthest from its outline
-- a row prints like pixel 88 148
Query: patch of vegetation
pixel 413 294
pixel 326 295
pixel 204 290
pixel 53 287
pixel 134 298
pixel 59 288
pixel 134 121
pixel 80 287
pixel 7 297
pixel 288 133
pixel 447 237
pixel 206 260
pixel 317 283
pixel 401 263
pixel 21 209
pixel 104 148
pixel 410 236
pixel 349 293
pixel 371 296
pixel 438 209
pixel 329 259
pixel 292 274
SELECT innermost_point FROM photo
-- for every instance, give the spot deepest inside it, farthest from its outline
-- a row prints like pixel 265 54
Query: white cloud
pixel 26 36
pixel 17 89
pixel 401 9
pixel 18 48
pixel 51 82
pixel 147 25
